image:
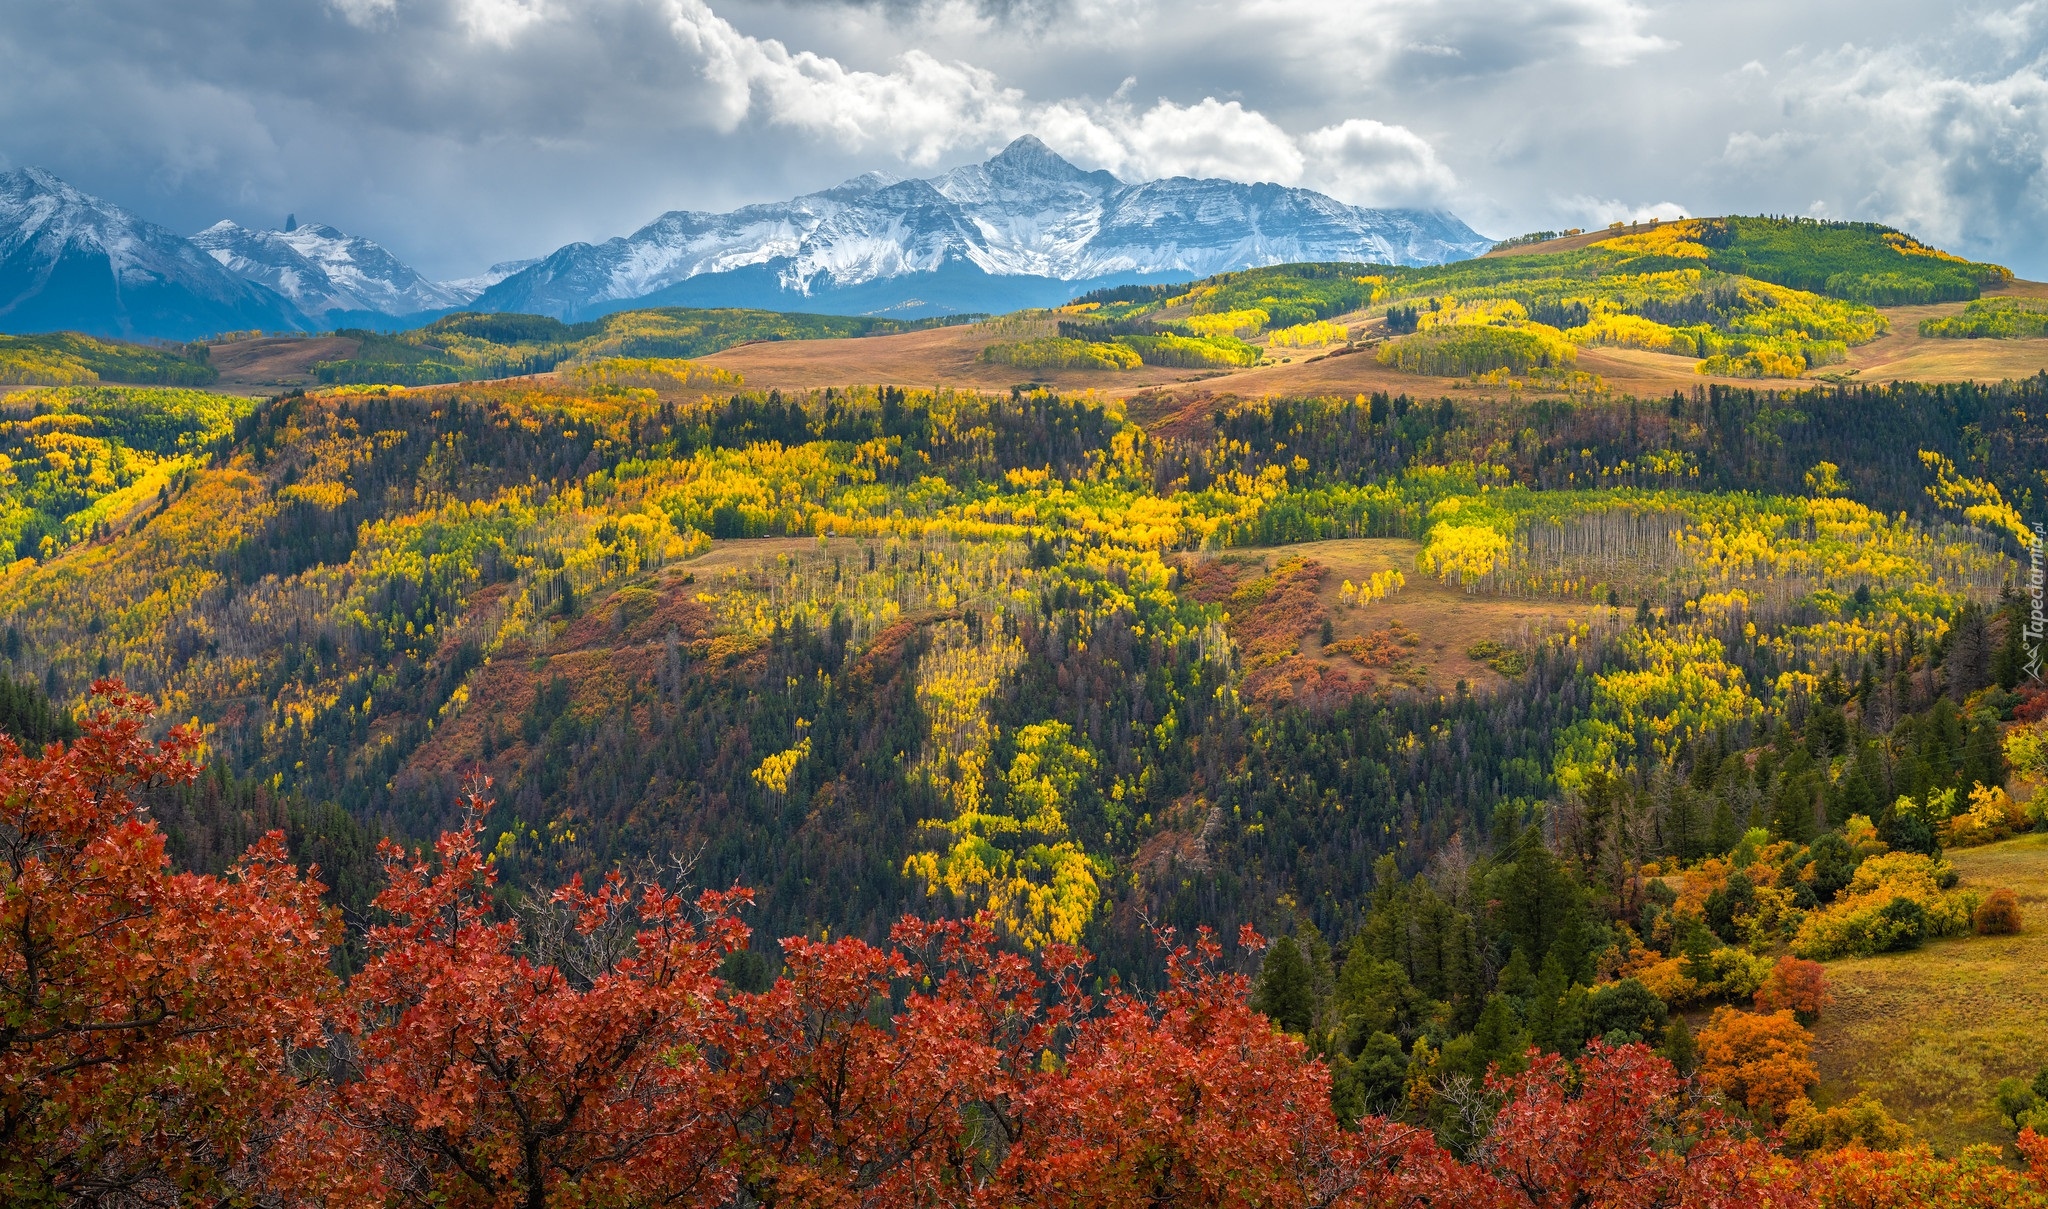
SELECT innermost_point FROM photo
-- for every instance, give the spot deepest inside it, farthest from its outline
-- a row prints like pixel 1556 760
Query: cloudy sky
pixel 460 132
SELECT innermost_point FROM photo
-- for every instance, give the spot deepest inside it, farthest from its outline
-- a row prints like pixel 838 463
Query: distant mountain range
pixel 327 274
pixel 1024 228
pixel 69 261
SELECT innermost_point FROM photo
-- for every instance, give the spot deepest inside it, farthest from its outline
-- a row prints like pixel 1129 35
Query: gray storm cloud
pixel 459 132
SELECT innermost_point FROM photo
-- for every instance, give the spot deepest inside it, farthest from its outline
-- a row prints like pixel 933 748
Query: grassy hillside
pixel 1929 1032
pixel 470 347
pixel 1422 684
pixel 69 359
pixel 1744 297
pixel 364 592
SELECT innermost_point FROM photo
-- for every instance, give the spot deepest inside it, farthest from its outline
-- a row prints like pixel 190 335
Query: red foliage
pixel 144 1015
pixel 1632 1134
pixel 824 1102
pixel 1915 1178
pixel 483 1077
pixel 1797 986
pixel 2034 1148
pixel 1195 1099
pixel 588 1054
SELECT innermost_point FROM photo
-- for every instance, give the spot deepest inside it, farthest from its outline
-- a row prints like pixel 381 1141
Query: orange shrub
pixel 1858 1177
pixel 1998 915
pixel 1796 986
pixel 1763 1062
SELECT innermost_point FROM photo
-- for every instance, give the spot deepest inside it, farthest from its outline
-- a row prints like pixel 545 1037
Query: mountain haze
pixel 1023 228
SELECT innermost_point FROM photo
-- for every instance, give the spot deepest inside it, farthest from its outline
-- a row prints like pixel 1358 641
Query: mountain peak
pixel 30 181
pixel 72 261
pixel 324 270
pixel 1027 156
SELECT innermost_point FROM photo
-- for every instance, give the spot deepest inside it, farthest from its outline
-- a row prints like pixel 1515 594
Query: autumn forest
pixel 529 763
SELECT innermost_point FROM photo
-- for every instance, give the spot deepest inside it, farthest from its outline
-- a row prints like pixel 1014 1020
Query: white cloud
pixel 1748 149
pixel 919 111
pixel 2014 27
pixel 1591 212
pixel 1210 138
pixel 1611 32
pixel 925 108
pixel 495 21
pixel 1959 159
pixel 1370 163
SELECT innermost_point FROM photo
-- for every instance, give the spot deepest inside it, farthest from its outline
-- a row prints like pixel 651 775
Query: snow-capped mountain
pixel 1025 227
pixel 325 271
pixel 69 260
pixel 467 288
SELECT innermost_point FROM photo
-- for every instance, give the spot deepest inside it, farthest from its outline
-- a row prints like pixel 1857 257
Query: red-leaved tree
pixel 1854 1177
pixel 480 1076
pixel 145 1015
pixel 830 1100
pixel 1620 1131
pixel 588 1054
pixel 1193 1098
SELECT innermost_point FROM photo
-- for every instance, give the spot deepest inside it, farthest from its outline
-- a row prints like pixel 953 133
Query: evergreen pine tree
pixel 1516 979
pixel 1286 990
pixel 1724 832
pixel 1550 1013
pixel 1497 1039
pixel 2011 660
pixel 1678 1048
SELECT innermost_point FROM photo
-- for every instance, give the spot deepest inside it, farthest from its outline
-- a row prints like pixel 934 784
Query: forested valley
pixel 1458 774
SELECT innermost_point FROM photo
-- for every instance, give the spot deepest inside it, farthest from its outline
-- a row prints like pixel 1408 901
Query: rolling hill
pixel 1642 312
pixel 1515 701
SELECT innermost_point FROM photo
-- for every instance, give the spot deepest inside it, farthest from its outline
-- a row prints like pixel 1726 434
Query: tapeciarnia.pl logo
pixel 2037 617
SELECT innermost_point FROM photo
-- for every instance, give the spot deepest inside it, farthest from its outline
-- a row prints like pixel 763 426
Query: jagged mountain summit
pixel 72 261
pixel 335 277
pixel 1025 227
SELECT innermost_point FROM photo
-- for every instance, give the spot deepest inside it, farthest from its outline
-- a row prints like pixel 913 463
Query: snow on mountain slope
pixel 1024 227
pixel 324 270
pixel 71 261
pixel 1026 212
pixel 467 288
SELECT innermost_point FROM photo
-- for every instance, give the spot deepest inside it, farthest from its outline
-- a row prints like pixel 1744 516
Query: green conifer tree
pixel 1286 989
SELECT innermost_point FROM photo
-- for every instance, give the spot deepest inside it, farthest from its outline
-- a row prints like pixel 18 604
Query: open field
pixel 951 356
pixel 1445 621
pixel 1903 354
pixel 274 363
pixel 1569 243
pixel 1931 1031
